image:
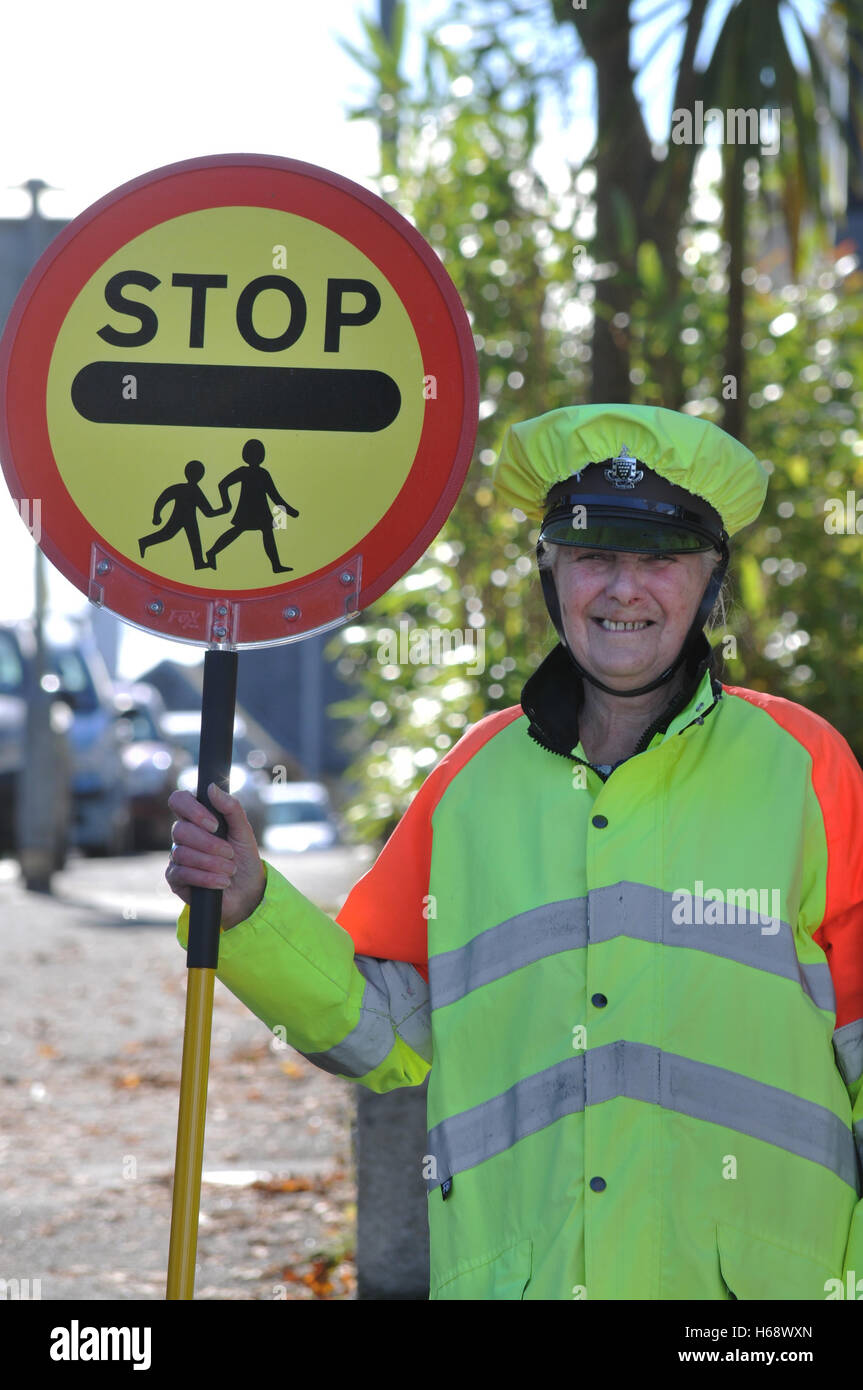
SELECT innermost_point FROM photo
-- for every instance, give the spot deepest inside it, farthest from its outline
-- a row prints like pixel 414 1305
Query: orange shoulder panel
pixel 837 780
pixel 385 912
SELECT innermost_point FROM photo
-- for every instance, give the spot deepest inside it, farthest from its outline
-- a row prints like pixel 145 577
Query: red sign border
pixel 383 235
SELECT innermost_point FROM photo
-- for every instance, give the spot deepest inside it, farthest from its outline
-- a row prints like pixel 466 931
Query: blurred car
pixel 13 722
pixel 153 762
pixel 75 675
pixel 247 783
pixel 17 652
pixel 299 817
pixel 101 811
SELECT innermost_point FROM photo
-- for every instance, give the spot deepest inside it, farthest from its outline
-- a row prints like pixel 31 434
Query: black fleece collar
pixel 552 698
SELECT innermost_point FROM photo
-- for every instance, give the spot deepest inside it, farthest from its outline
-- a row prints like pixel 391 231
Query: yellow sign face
pixel 235 398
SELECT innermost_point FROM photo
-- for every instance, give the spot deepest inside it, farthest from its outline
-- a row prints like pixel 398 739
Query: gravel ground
pixel 91 1028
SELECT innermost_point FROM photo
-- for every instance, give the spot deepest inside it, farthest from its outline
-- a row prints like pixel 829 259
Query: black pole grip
pixel 218 702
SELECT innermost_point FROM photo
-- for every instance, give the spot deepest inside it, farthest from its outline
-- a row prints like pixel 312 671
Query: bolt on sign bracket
pixel 205 619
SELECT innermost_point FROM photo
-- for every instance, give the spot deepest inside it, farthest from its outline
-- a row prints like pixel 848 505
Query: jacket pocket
pixel 503 1273
pixel 754 1267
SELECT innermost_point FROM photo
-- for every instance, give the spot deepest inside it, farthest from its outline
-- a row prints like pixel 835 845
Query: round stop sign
pixel 244 391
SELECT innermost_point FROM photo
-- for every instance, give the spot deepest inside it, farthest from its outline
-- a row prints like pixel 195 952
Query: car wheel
pixel 98 851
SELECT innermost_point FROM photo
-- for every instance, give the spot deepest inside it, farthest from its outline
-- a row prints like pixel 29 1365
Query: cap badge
pixel 624 471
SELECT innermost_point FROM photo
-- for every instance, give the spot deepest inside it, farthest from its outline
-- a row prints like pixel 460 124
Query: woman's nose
pixel 624 581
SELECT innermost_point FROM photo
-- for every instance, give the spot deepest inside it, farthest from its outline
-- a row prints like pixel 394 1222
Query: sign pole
pixel 202 957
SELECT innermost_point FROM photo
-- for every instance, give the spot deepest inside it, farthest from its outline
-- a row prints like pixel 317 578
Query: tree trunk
pixel 734 384
pixel 638 198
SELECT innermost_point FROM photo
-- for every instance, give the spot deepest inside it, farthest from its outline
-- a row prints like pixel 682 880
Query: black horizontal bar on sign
pixel 235 397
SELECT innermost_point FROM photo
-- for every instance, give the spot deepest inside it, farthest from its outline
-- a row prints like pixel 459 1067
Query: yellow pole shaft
pixel 190 1134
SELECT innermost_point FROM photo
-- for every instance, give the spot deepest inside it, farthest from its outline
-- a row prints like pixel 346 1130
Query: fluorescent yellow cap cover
pixel 691 453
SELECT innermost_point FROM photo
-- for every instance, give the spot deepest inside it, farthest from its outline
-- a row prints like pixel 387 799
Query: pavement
pixel 91 1031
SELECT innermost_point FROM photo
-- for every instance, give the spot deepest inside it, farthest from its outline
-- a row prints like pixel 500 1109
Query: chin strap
pixel 705 608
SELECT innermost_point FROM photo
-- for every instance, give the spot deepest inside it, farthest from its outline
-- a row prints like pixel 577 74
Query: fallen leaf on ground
pixel 284 1185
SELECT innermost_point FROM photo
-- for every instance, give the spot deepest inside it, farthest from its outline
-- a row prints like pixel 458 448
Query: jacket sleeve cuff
pixel 291 965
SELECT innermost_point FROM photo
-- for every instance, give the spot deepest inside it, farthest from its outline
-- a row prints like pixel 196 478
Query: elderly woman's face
pixel 625 615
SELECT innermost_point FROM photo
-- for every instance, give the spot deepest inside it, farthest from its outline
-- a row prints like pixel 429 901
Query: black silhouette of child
pixel 253 512
pixel 188 499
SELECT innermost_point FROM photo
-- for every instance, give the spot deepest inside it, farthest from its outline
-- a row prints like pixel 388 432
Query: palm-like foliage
pixel 752 66
pixel 667 317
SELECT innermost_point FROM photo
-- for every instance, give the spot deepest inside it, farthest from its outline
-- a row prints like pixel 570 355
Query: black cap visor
pixel 595 523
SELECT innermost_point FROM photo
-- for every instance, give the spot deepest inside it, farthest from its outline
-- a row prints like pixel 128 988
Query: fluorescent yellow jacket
pixel 639 997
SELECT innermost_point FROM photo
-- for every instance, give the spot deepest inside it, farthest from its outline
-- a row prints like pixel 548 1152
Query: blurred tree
pixel 641 195
pixel 466 179
pixel 465 173
pixel 794 627
pixel 752 67
pixel 800 585
pixel 382 61
pixel 642 192
pixel 761 58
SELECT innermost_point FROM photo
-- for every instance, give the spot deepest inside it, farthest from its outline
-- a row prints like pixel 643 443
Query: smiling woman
pixel 625 1100
pixel 625 617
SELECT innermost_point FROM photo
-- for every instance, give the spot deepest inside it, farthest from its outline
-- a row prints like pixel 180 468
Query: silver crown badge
pixel 624 471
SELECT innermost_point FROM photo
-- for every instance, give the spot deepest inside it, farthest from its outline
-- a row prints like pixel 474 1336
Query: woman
pixel 620 924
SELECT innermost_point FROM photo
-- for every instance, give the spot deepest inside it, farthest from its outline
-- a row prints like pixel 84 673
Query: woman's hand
pixel 202 859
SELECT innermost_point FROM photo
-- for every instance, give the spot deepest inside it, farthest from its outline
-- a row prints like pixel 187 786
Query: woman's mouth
pixel 609 626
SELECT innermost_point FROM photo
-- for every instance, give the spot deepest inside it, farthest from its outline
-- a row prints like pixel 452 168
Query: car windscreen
pixel 76 684
pixel 295 812
pixel 142 725
pixel 11 670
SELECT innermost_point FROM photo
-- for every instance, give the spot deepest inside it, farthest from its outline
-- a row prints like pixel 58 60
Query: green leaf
pixel 650 271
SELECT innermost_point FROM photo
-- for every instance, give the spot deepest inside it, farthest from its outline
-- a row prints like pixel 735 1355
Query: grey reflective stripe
pixel 543 931
pixel 395 1000
pixel 404 995
pixel 488 1129
pixel 818 984
pixel 644 1073
pixel 626 909
pixel 724 1098
pixel 848 1045
pixel 632 909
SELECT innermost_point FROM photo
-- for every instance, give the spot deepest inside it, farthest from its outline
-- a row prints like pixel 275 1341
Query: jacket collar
pixel 553 697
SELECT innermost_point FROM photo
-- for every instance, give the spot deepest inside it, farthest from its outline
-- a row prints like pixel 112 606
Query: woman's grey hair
pixel 718 614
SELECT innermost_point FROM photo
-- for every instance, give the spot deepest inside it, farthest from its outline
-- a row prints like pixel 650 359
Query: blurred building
pixel 283 694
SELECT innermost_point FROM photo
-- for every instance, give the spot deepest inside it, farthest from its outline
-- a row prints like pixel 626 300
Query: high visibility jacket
pixel 638 997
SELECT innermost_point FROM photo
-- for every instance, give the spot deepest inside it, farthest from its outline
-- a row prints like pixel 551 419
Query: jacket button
pixel 600 822
pixel 597 1184
pixel 599 1000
